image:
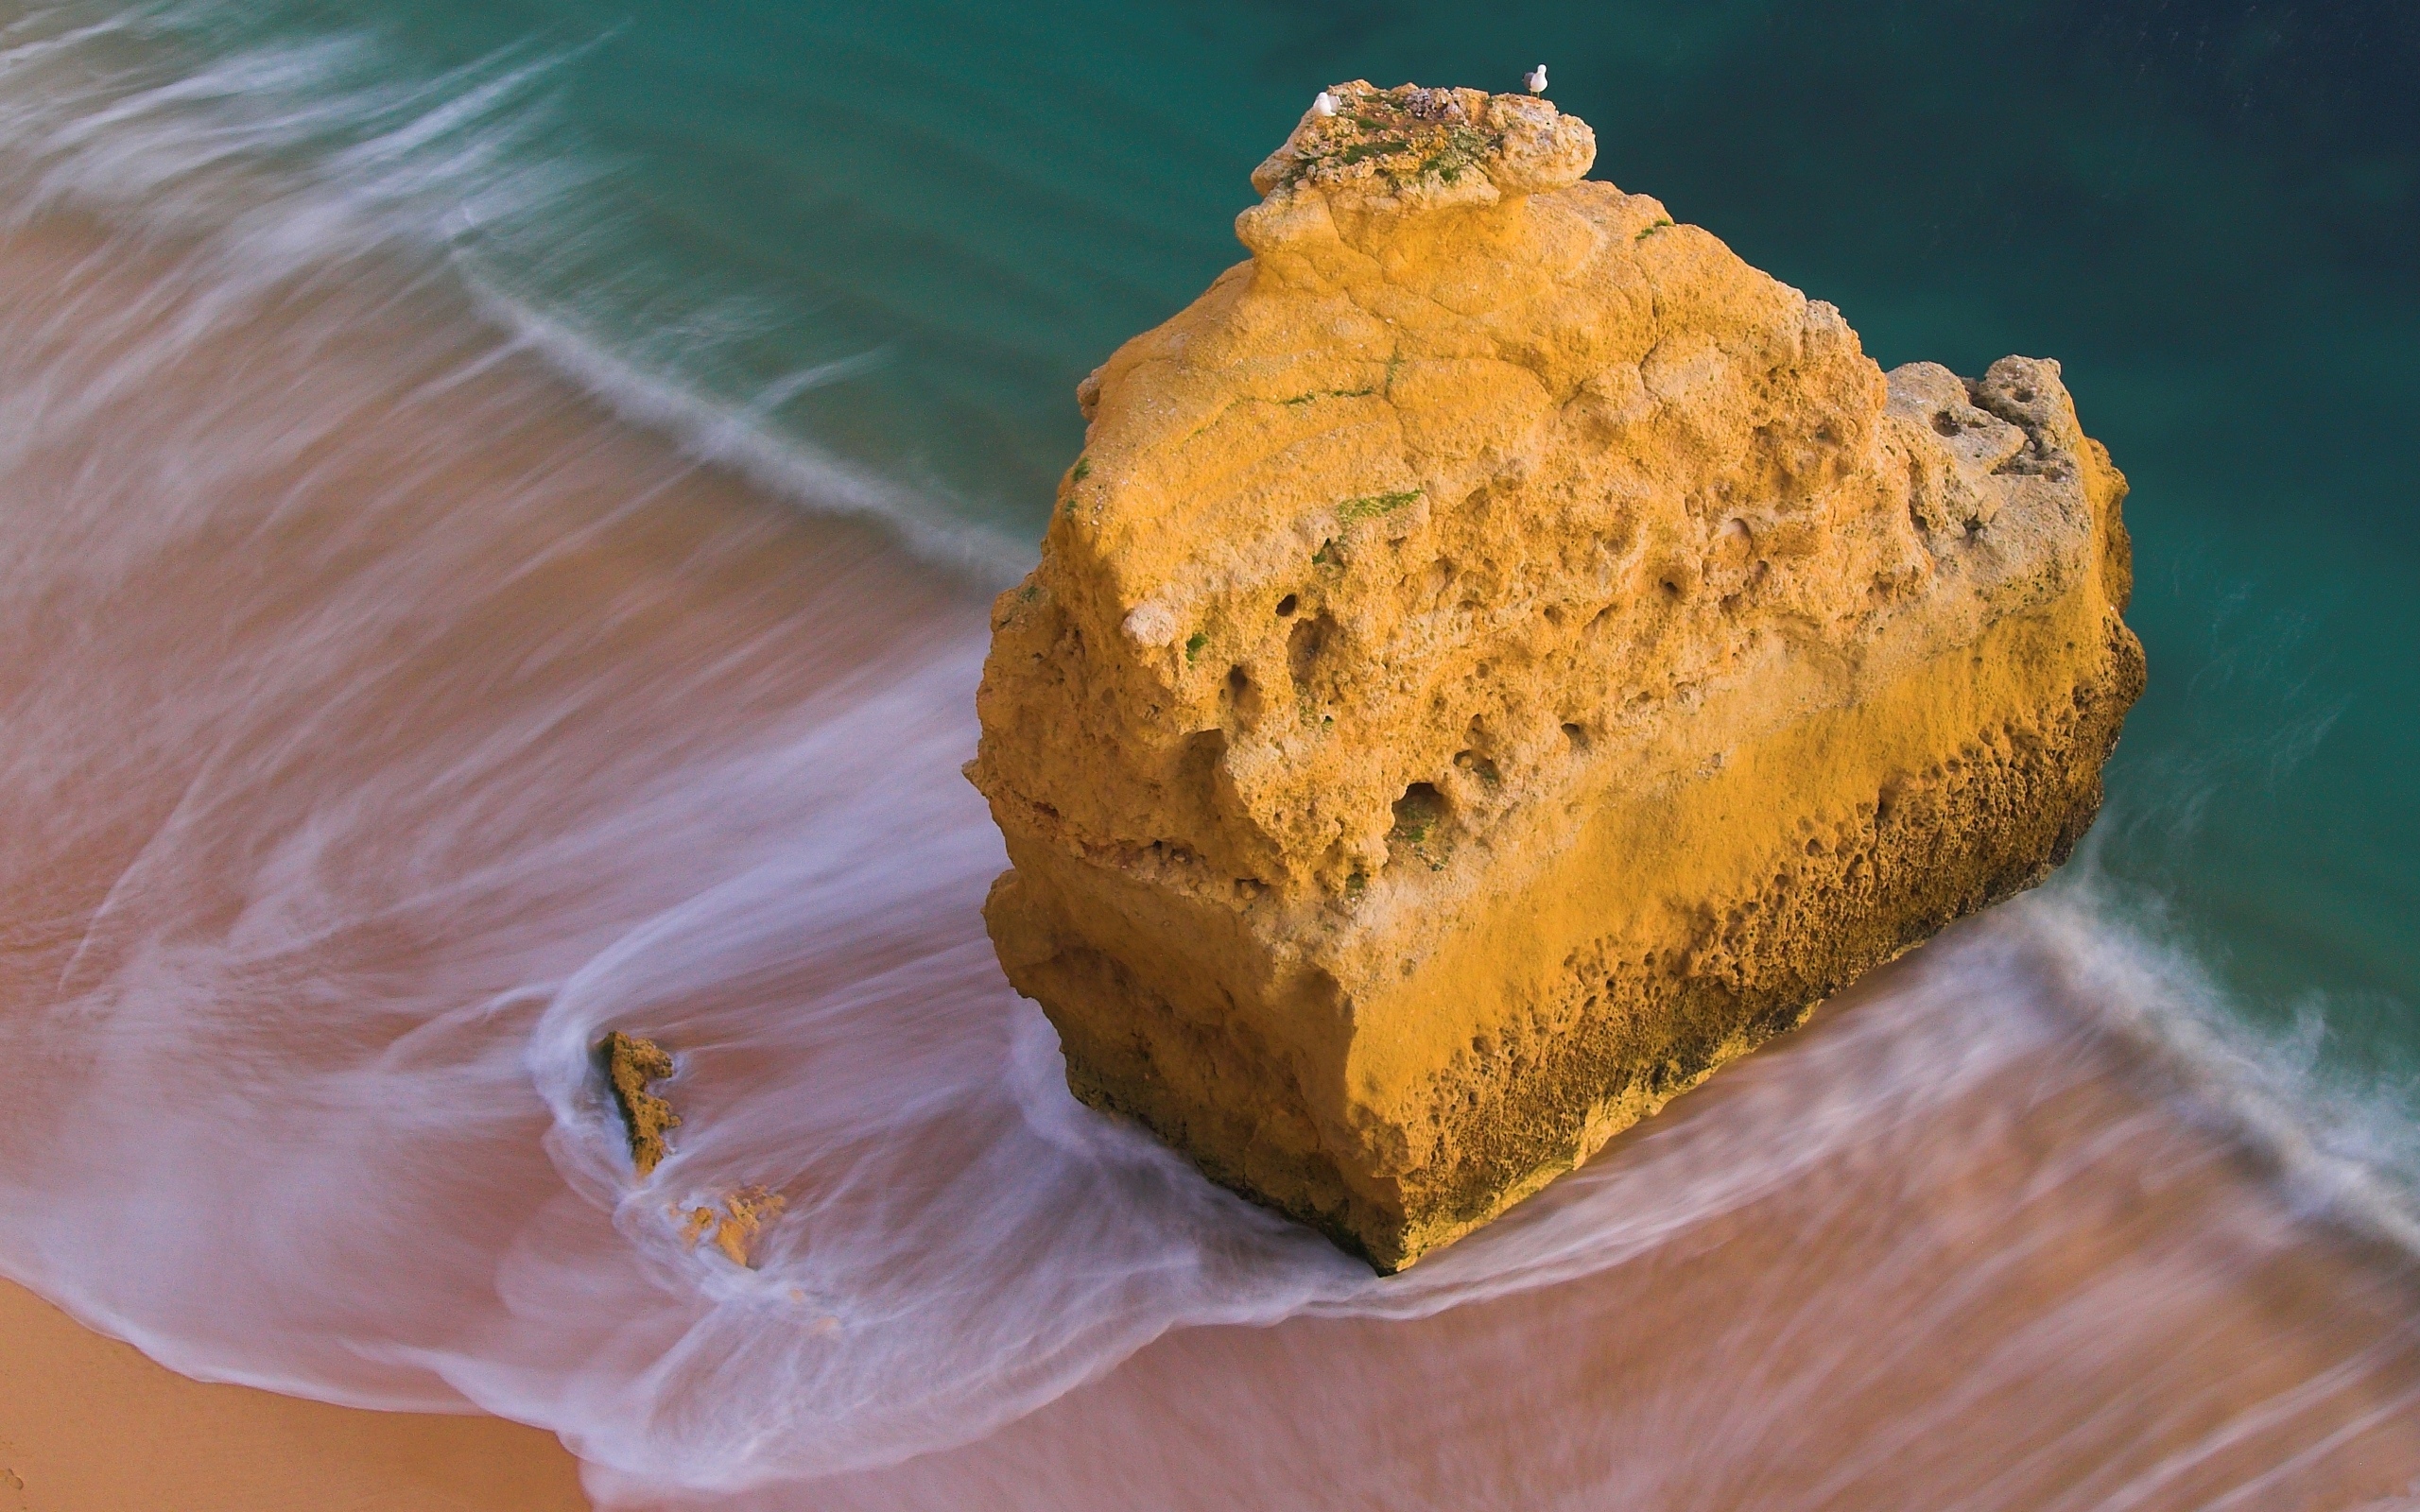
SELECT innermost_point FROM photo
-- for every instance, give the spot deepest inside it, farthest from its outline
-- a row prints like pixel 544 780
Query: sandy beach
pixel 87 1425
pixel 2205 1345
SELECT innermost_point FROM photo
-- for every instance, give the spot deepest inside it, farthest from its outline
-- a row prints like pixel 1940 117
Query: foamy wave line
pixel 2344 1150
pixel 283 160
pixel 737 439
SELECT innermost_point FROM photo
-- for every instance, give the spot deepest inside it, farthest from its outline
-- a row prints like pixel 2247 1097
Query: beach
pixel 406 690
pixel 87 1422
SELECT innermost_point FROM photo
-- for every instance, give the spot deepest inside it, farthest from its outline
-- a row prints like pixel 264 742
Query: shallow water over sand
pixel 387 722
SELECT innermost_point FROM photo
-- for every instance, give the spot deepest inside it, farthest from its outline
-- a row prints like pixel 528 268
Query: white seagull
pixel 1536 79
pixel 1324 105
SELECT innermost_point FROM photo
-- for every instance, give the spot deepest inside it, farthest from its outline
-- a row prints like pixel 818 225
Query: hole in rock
pixel 1945 422
pixel 1477 766
pixel 1286 606
pixel 1303 646
pixel 1577 735
pixel 1241 690
pixel 1680 576
pixel 1419 815
pixel 1198 765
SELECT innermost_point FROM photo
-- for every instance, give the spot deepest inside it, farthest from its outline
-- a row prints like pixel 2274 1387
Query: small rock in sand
pixel 630 1064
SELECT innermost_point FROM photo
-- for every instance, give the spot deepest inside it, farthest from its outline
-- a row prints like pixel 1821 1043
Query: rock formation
pixel 734 1225
pixel 631 1065
pixel 1498 656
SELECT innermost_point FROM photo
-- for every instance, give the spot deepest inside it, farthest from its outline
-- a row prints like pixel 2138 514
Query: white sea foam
pixel 291 159
pixel 741 439
pixel 2347 1143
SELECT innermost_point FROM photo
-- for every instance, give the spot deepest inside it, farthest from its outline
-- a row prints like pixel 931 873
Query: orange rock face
pixel 633 1065
pixel 1499 656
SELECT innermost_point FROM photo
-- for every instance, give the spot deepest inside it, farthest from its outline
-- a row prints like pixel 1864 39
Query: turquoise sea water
pixel 862 253
pixel 899 233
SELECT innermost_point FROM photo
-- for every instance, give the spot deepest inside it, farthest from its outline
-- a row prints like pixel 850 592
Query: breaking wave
pixel 281 161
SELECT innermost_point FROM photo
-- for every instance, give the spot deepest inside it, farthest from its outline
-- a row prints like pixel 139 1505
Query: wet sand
pixel 2056 1293
pixel 341 644
pixel 2154 1330
pixel 87 1425
pixel 87 1421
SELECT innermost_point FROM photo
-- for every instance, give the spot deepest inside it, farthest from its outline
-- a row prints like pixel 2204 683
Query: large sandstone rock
pixel 1499 657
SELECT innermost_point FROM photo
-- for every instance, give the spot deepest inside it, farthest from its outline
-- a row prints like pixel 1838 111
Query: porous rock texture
pixel 1499 657
pixel 631 1066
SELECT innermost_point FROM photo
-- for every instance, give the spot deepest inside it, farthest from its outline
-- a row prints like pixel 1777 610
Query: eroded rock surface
pixel 734 1224
pixel 1498 656
pixel 633 1065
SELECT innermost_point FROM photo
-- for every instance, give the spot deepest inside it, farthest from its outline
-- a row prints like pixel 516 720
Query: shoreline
pixel 88 1421
pixel 90 1424
pixel 2058 1289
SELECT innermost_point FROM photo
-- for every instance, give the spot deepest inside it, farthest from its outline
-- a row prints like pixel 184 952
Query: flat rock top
pixel 1409 147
